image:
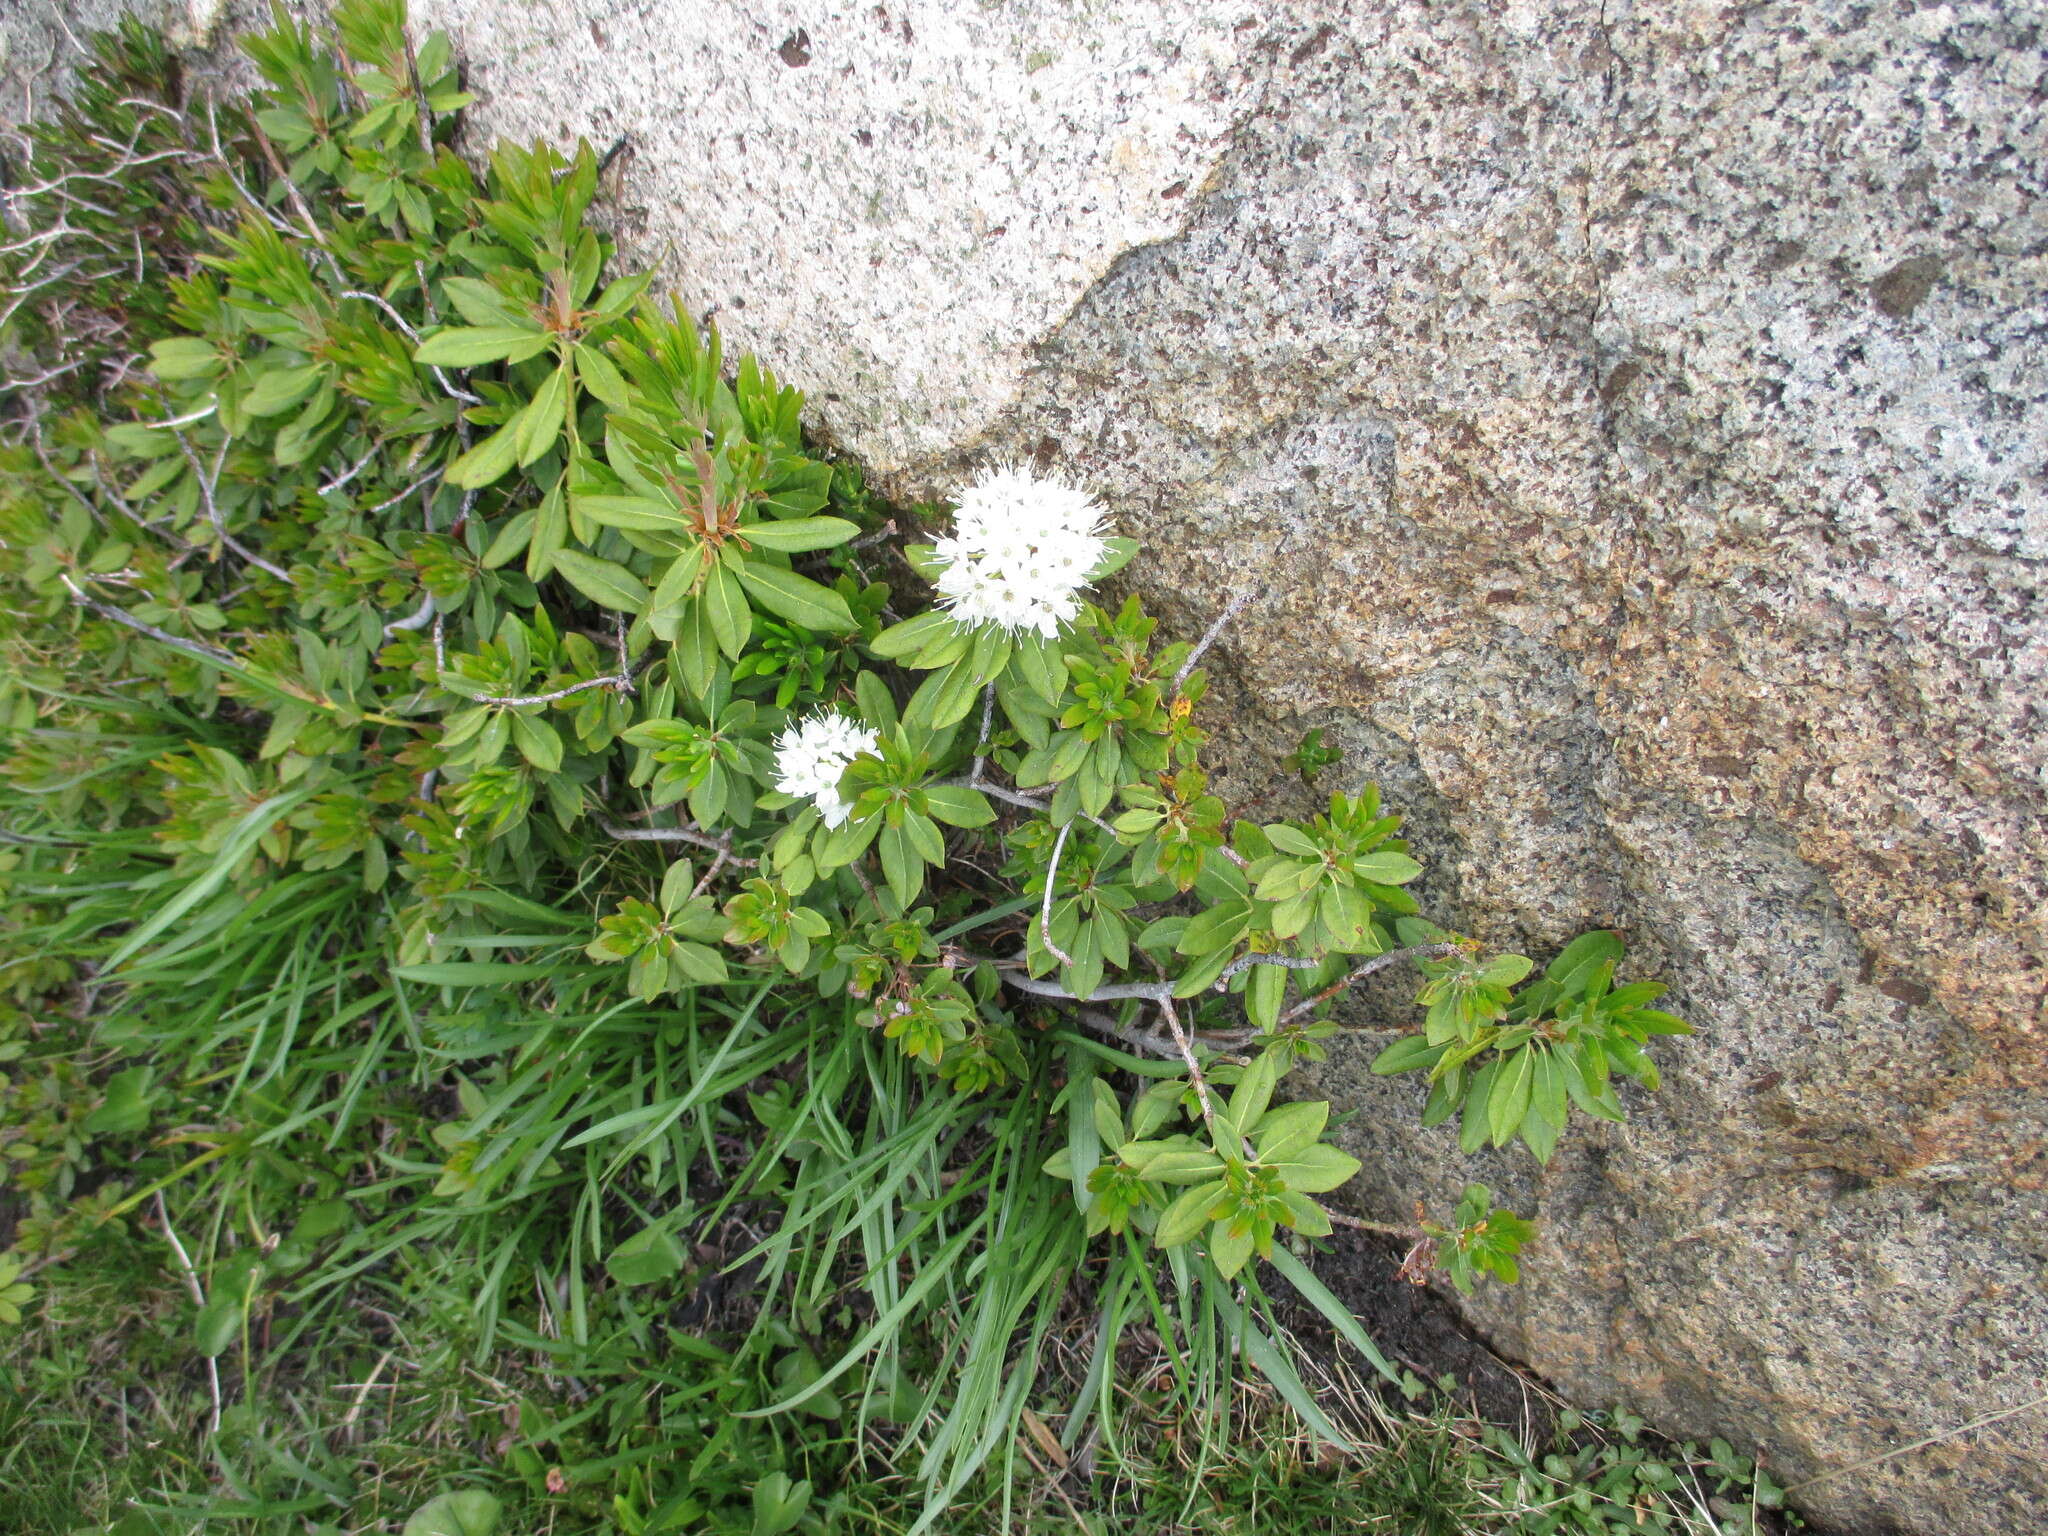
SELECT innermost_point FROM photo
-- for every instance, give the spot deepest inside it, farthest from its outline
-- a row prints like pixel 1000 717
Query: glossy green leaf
pixel 797 598
pixel 473 346
pixel 604 582
pixel 800 535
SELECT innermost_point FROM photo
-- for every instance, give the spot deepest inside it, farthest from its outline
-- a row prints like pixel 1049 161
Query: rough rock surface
pixel 1637 412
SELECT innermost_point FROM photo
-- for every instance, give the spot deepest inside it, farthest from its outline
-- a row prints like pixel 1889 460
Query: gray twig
pixel 1052 875
pixel 392 501
pixel 620 681
pixel 1138 1039
pixel 192 1285
pixel 413 336
pixel 255 204
pixel 1359 973
pixel 425 119
pixel 1187 1054
pixel 351 472
pixel 205 653
pixel 417 619
pixel 1246 962
pixel 1146 991
pixel 988 712
pixel 1230 611
pixel 674 835
pixel 718 862
pixel 208 486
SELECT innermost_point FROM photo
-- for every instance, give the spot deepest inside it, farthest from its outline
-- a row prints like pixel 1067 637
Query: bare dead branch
pixel 1052 875
pixel 673 835
pixel 163 1217
pixel 417 619
pixel 1246 962
pixel 205 653
pixel 1376 963
pixel 208 485
pixel 351 472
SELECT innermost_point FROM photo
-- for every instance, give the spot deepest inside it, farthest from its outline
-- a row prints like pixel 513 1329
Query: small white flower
pixel 811 756
pixel 1020 551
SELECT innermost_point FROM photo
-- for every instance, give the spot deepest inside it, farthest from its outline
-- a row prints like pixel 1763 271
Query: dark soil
pixel 1417 1328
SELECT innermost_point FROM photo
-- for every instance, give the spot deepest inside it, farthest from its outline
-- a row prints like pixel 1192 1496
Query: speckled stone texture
pixel 1637 416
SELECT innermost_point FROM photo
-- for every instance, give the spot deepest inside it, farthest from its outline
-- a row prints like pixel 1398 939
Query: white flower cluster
pixel 811 756
pixel 1020 552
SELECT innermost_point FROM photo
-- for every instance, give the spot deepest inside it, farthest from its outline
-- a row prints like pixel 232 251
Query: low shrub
pixel 495 821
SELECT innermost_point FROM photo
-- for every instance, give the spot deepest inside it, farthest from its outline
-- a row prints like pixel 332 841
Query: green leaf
pixel 912 635
pixel 1405 1055
pixel 541 422
pixel 468 1513
pixel 1509 1099
pixel 218 1322
pixel 800 535
pixel 779 1504
pixel 695 657
pixel 732 621
pixel 643 513
pixel 1188 1215
pixel 678 581
pixel 1540 1132
pixel 470 346
pixel 510 540
pixel 1289 839
pixel 1254 1090
pixel 1506 970
pixel 1117 554
pixel 1230 1247
pixel 538 742
pixel 1216 929
pixel 1580 959
pixel 925 839
pixel 1190 1165
pixel 1385 868
pixel 488 460
pixel 958 806
pixel 280 389
pixel 602 378
pixel 1264 991
pixel 901 867
pixel 1084 1130
pixel 482 305
pixel 140 442
pixel 619 294
pixel 649 1255
pixel 550 531
pixel 1305 1216
pixel 125 1109
pixel 796 598
pixel 602 581
pixel 1318 1169
pixel 1289 1130
pixel 183 357
pixel 1547 1092
pixel 1041 664
pixel 700 964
